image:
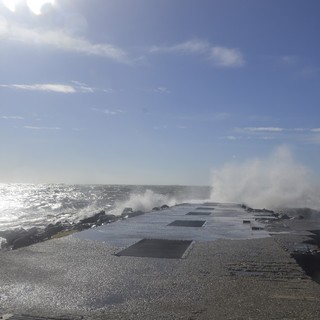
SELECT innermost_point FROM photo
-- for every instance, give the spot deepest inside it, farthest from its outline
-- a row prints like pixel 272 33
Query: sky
pixel 155 91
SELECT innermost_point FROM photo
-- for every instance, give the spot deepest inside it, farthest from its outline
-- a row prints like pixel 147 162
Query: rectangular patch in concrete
pixel 198 213
pixel 187 223
pixel 205 208
pixel 157 248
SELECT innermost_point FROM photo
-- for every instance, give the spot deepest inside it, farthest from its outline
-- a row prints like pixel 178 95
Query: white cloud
pixel 12 117
pixel 110 112
pixel 162 90
pixel 315 130
pixel 225 57
pixel 61 40
pixel 264 129
pixel 230 138
pixel 48 87
pixel 42 128
pixel 35 7
pixel 220 56
pixel 192 46
pixel 53 87
pixel 289 59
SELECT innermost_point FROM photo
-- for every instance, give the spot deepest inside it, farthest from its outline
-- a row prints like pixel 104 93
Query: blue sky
pixel 155 91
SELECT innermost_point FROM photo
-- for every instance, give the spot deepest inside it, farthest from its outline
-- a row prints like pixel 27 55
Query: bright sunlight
pixel 35 6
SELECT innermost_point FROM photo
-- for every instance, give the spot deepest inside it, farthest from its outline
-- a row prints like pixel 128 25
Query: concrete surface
pixel 229 272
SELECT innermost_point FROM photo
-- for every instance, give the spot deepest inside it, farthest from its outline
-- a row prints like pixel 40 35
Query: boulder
pixel 126 211
pixel 135 213
pixel 3 243
pixel 164 207
pixel 94 218
pixel 106 218
pixel 51 230
pixel 11 235
pixel 23 241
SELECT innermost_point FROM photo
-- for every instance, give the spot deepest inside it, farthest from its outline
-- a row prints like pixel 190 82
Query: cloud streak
pixel 59 39
pixel 218 55
pixel 301 135
pixel 41 128
pixel 77 87
pixel 47 87
pixel 108 111
pixel 264 129
pixel 162 90
pixel 11 117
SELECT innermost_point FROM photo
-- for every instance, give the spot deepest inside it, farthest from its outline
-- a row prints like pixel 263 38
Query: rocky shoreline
pixel 20 237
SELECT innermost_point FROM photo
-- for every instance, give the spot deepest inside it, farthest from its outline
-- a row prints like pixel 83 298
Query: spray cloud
pixel 272 182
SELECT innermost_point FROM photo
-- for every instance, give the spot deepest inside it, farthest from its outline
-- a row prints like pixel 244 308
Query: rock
pixel 155 209
pixel 135 213
pixel 268 211
pixel 106 218
pixel 3 243
pixel 164 207
pixel 51 230
pixel 11 235
pixel 23 242
pixel 94 218
pixel 84 226
pixel 126 211
pixel 20 237
pixel 284 216
pixel 255 228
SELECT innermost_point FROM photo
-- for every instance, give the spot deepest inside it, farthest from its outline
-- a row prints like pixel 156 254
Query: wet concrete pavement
pixel 228 271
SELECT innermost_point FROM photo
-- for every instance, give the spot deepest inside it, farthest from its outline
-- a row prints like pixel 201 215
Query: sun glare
pixel 35 6
pixel 11 4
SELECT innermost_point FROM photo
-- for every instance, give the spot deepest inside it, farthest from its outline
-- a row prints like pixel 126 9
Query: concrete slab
pixel 230 272
pixel 226 222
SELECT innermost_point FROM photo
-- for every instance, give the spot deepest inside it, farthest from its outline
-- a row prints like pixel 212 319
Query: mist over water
pixel 272 182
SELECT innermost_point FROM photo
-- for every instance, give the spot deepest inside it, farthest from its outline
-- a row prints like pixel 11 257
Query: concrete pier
pixel 208 261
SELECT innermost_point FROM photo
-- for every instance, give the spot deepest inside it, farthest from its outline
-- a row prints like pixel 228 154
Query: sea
pixel 37 205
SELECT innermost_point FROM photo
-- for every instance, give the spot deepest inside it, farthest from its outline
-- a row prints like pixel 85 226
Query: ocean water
pixel 37 205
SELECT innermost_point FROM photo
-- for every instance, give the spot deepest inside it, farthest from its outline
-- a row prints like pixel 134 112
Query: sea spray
pixel 272 182
pixel 146 201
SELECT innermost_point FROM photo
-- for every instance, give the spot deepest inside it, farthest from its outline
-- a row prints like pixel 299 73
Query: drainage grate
pixel 198 213
pixel 205 208
pixel 187 223
pixel 157 248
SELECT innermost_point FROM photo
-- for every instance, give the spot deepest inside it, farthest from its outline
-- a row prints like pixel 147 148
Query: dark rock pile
pixel 20 237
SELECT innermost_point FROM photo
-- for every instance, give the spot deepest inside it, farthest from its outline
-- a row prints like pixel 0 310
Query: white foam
pixel 275 181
